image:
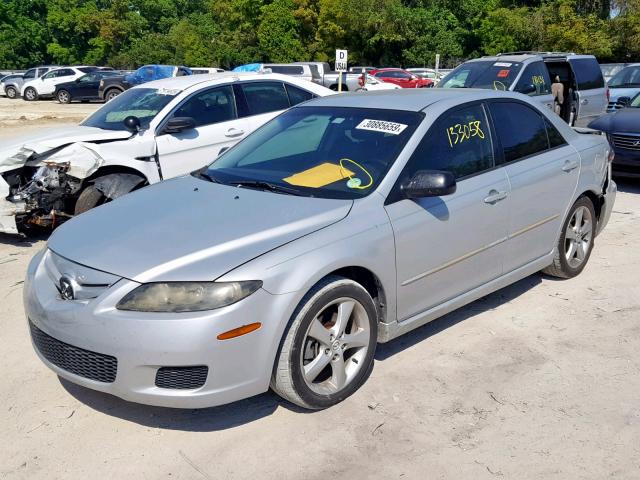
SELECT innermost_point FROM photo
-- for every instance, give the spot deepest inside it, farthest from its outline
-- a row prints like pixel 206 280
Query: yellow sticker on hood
pixel 319 176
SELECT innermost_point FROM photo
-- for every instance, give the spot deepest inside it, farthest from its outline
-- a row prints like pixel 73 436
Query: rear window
pixel 264 97
pixel 493 75
pixel 588 73
pixel 521 130
pixel 88 69
pixel 628 77
pixel 286 69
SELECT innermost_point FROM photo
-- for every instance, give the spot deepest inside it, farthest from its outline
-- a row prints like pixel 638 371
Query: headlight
pixel 186 296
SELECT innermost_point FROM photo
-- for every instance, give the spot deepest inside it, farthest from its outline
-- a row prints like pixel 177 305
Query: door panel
pixel 446 246
pixel 541 190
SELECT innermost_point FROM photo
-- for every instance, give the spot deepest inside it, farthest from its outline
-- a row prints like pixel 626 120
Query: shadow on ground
pixel 260 406
pixel 23 241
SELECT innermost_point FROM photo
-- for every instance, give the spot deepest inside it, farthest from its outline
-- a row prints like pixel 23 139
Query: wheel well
pixel 371 283
pixel 597 201
pixel 114 169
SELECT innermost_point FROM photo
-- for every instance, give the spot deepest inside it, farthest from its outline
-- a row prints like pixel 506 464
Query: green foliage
pixel 129 33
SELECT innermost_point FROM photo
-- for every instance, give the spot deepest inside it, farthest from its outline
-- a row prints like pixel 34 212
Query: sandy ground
pixel 540 380
pixel 19 116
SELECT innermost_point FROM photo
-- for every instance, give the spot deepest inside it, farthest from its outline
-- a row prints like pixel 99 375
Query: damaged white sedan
pixel 152 132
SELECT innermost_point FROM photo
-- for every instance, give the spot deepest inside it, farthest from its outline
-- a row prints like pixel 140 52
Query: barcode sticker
pixel 381 126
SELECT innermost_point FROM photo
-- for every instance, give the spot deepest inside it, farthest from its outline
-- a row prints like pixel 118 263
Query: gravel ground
pixel 538 380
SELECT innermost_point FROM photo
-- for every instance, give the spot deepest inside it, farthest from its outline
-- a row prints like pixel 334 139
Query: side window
pixel 29 74
pixel 555 137
pixel 384 74
pixel 297 95
pixel 264 97
pixel 459 142
pixel 53 74
pixel 588 73
pixel 534 80
pixel 66 72
pixel 520 129
pixel 209 107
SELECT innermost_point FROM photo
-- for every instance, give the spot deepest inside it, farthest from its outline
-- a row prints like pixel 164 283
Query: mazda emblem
pixel 66 288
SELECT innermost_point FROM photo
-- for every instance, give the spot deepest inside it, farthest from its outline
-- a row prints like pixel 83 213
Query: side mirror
pixel 527 89
pixel 132 123
pixel 624 101
pixel 179 124
pixel 429 183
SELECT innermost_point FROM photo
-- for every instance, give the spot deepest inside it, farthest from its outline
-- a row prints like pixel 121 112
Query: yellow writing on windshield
pixel 459 133
pixel 537 80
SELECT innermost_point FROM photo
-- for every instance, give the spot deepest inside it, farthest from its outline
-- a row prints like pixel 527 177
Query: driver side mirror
pixel 624 101
pixel 179 124
pixel 132 124
pixel 527 89
pixel 429 183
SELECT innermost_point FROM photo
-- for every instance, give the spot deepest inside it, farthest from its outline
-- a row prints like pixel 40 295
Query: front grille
pixel 81 362
pixel 628 142
pixel 181 377
pixel 614 105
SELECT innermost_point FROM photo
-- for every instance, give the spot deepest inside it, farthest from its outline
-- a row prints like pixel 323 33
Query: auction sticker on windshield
pixel 381 126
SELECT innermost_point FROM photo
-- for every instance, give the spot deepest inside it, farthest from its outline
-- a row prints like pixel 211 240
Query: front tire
pixel 30 94
pixel 576 241
pixel 111 94
pixel 327 352
pixel 11 92
pixel 89 198
pixel 63 96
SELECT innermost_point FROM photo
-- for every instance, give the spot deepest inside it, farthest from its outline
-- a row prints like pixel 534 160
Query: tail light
pixel 361 80
pixel 607 93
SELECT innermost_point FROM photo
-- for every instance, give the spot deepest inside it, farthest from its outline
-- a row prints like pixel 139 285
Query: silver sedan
pixel 345 221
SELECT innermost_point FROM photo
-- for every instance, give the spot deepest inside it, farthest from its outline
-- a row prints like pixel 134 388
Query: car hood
pixel 626 120
pixel 187 229
pixel 16 152
pixel 615 92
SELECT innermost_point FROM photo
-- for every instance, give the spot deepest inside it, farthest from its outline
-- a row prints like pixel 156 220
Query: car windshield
pixel 325 152
pixel 627 77
pixel 494 75
pixel 144 103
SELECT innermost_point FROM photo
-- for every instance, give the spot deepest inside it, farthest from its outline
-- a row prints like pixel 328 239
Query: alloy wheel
pixel 63 97
pixel 578 237
pixel 335 346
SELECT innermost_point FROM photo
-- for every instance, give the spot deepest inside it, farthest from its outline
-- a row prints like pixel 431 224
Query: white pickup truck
pixel 323 75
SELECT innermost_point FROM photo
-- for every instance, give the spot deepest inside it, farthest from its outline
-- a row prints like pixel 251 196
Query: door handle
pixel 234 132
pixel 569 165
pixel 495 196
pixel 584 101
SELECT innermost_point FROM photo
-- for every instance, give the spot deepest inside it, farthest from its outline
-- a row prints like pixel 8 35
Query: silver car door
pixel 448 245
pixel 543 172
pixel 592 95
pixel 535 82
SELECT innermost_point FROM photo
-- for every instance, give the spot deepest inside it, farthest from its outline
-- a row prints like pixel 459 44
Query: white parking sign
pixel 341 60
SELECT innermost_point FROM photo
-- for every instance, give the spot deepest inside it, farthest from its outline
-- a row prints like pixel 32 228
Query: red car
pixel 401 77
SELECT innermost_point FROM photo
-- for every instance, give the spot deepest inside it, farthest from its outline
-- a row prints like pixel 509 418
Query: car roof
pixel 188 81
pixel 524 56
pixel 409 99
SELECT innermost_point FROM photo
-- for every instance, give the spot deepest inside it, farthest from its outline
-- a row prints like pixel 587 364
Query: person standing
pixel 557 90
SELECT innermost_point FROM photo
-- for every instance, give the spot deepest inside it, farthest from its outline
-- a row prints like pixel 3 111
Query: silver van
pixel 531 73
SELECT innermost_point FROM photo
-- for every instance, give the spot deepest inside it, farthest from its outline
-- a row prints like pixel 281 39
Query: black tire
pixel 30 94
pixel 111 94
pixel 561 266
pixel 288 377
pixel 11 92
pixel 89 198
pixel 63 96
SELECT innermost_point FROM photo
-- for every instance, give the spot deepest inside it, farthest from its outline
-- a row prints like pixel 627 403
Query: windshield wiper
pixel 205 175
pixel 260 185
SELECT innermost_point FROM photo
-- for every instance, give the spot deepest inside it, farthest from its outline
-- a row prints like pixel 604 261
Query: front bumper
pixel 143 343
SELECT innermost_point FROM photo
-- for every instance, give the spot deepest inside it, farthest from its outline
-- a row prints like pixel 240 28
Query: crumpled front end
pixel 40 188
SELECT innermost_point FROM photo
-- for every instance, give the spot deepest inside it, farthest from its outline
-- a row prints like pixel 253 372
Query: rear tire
pixel 327 351
pixel 89 198
pixel 63 96
pixel 30 94
pixel 576 241
pixel 11 92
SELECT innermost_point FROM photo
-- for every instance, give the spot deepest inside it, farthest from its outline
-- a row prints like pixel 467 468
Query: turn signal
pixel 237 332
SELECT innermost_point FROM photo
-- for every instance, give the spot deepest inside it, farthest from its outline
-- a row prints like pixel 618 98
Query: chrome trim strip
pixel 479 250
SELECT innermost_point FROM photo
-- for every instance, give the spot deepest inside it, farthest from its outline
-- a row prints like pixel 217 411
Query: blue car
pixel 110 88
pixel 623 129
